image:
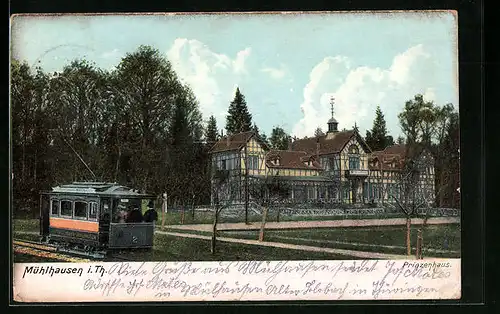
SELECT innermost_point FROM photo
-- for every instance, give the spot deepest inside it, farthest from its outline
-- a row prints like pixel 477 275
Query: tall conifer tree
pixel 377 138
pixel 239 118
pixel 211 134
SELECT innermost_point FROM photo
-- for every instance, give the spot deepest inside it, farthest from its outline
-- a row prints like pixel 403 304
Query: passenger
pixel 151 215
pixel 134 216
pixel 121 214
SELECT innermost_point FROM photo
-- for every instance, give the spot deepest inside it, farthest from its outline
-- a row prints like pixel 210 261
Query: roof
pixel 395 153
pixel 398 149
pixel 97 188
pixel 385 161
pixel 297 178
pixel 233 142
pixel 328 144
pixel 291 160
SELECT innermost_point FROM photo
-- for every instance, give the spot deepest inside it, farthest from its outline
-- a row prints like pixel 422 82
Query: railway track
pixel 51 252
pixel 45 251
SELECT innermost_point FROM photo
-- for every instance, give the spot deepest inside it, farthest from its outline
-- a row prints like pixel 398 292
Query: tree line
pixel 137 125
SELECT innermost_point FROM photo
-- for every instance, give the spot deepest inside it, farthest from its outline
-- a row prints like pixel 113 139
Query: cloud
pixel 212 76
pixel 275 73
pixel 111 54
pixel 359 90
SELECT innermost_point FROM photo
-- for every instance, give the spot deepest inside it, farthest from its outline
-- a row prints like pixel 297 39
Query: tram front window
pixel 127 210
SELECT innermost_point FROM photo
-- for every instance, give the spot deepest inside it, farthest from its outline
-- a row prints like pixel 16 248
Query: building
pixel 338 167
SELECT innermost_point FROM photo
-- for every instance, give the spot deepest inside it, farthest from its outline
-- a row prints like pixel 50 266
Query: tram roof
pixel 97 188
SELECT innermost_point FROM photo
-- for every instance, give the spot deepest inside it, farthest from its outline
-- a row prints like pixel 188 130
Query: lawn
pixel 171 248
pixel 25 225
pixel 377 239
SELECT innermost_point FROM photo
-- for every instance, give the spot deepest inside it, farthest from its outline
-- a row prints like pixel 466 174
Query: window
pixel 66 208
pixel 332 192
pixel 55 208
pixel 310 192
pixel 93 210
pixel 223 165
pixel 353 149
pixel 353 157
pixel 81 209
pixel 253 162
pixel 353 162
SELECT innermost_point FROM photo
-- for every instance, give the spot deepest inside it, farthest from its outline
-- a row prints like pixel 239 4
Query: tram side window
pixel 93 210
pixel 66 209
pixel 81 209
pixel 55 208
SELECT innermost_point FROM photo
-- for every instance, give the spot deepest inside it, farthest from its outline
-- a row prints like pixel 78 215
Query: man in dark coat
pixel 150 215
pixel 134 215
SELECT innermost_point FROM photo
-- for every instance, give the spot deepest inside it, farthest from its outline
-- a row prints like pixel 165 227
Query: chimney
pixel 227 140
pixel 290 143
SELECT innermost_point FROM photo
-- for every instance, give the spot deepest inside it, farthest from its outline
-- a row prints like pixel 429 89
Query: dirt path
pixel 426 250
pixel 351 253
pixel 315 224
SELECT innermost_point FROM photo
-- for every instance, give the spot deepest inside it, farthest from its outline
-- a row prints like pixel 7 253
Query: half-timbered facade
pixel 338 167
pixel 387 171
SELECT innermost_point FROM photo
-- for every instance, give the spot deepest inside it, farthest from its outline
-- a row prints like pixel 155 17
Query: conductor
pixel 151 215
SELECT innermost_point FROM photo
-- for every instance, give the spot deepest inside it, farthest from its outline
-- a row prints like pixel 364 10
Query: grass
pixel 26 258
pixel 171 248
pixel 437 237
pixel 25 225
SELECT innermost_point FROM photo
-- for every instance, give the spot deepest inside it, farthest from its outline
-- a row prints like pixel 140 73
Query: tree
pixel 211 134
pixel 260 134
pixel 389 141
pixel 268 192
pixel 239 118
pixel 416 120
pixel 318 132
pixel 161 115
pixel 30 138
pixel 400 140
pixel 138 125
pixel 279 139
pixel 448 172
pixel 427 124
pixel 377 138
pixel 223 193
pixel 411 197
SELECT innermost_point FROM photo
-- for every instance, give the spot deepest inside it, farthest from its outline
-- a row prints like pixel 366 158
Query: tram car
pixel 95 218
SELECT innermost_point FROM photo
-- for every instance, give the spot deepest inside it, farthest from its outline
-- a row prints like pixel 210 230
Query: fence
pixel 237 210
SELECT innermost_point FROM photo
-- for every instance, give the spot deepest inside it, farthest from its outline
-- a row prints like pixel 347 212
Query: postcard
pixel 235 157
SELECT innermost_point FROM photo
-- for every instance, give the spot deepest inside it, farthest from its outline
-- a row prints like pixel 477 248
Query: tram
pixel 96 218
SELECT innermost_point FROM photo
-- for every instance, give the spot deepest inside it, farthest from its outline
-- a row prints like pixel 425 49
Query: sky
pixel 288 66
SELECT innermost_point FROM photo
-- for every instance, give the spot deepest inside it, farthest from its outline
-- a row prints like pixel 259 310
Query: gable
pixel 236 142
pixel 357 142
